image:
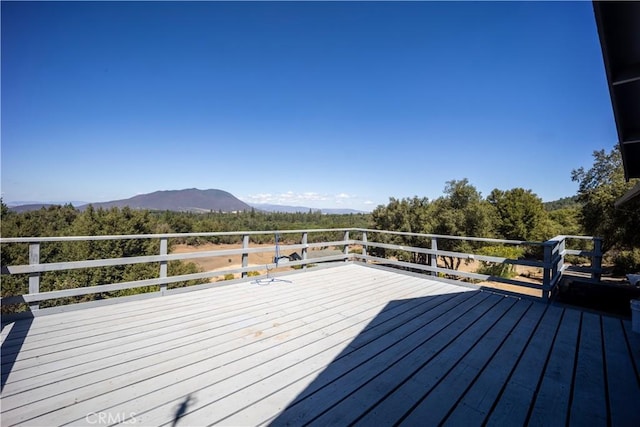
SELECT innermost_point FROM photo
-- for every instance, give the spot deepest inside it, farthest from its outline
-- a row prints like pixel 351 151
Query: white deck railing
pixel 552 262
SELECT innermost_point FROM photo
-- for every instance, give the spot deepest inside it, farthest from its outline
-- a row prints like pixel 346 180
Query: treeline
pixel 519 214
pixel 515 214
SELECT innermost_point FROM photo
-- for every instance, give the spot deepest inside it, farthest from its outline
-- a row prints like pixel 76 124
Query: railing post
pixel 596 259
pixel 364 246
pixel 163 264
pixel 546 273
pixel 304 249
pixel 434 256
pixel 561 249
pixel 245 255
pixel 346 244
pixel 34 278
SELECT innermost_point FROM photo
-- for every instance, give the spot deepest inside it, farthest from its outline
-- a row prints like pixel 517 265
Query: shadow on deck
pixel 474 359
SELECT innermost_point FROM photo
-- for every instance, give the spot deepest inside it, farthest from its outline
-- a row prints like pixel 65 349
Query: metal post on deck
pixel 364 246
pixel 245 255
pixel 34 278
pixel 163 264
pixel 304 249
pixel 596 259
pixel 434 256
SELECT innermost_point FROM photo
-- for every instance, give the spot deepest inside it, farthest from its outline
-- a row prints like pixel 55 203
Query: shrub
pixel 499 269
pixel 626 262
pixel 229 276
pixel 253 273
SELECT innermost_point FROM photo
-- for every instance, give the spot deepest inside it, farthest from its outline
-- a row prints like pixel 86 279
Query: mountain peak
pixel 189 199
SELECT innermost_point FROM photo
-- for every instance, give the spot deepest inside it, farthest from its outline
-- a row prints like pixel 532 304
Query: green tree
pixel 461 212
pixel 520 214
pixel 410 215
pixel 599 188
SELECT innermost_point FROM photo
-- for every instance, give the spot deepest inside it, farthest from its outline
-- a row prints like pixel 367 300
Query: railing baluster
pixel 596 259
pixel 434 256
pixel 34 278
pixel 346 244
pixel 364 246
pixel 245 255
pixel 546 273
pixel 304 249
pixel 163 264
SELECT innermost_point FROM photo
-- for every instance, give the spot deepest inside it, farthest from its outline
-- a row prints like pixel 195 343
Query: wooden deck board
pixel 589 405
pixel 512 405
pixel 476 403
pixel 619 368
pixel 337 345
pixel 408 380
pixel 436 403
pixel 552 399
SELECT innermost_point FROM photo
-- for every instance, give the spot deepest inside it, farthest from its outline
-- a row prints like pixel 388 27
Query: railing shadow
pixel 393 346
pixel 12 344
pixel 182 409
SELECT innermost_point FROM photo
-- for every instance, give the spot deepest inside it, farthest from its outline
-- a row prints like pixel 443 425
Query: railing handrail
pixel 163 235
pixel 450 237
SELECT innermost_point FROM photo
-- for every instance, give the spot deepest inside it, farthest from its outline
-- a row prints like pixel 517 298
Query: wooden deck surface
pixel 338 346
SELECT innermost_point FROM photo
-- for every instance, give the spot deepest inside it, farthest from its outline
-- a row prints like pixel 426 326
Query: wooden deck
pixel 337 346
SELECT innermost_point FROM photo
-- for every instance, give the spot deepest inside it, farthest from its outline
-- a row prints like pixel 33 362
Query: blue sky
pixel 323 104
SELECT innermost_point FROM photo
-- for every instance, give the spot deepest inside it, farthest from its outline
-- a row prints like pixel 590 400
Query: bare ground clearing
pixel 259 260
pixel 226 261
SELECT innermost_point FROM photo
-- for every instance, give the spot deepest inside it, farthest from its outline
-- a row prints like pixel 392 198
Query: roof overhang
pixel 629 195
pixel 619 31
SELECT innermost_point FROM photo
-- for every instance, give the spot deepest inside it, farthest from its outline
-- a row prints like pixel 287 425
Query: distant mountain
pixel 35 206
pixel 304 209
pixel 15 203
pixel 30 207
pixel 281 208
pixel 188 200
pixel 564 202
pixel 341 211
